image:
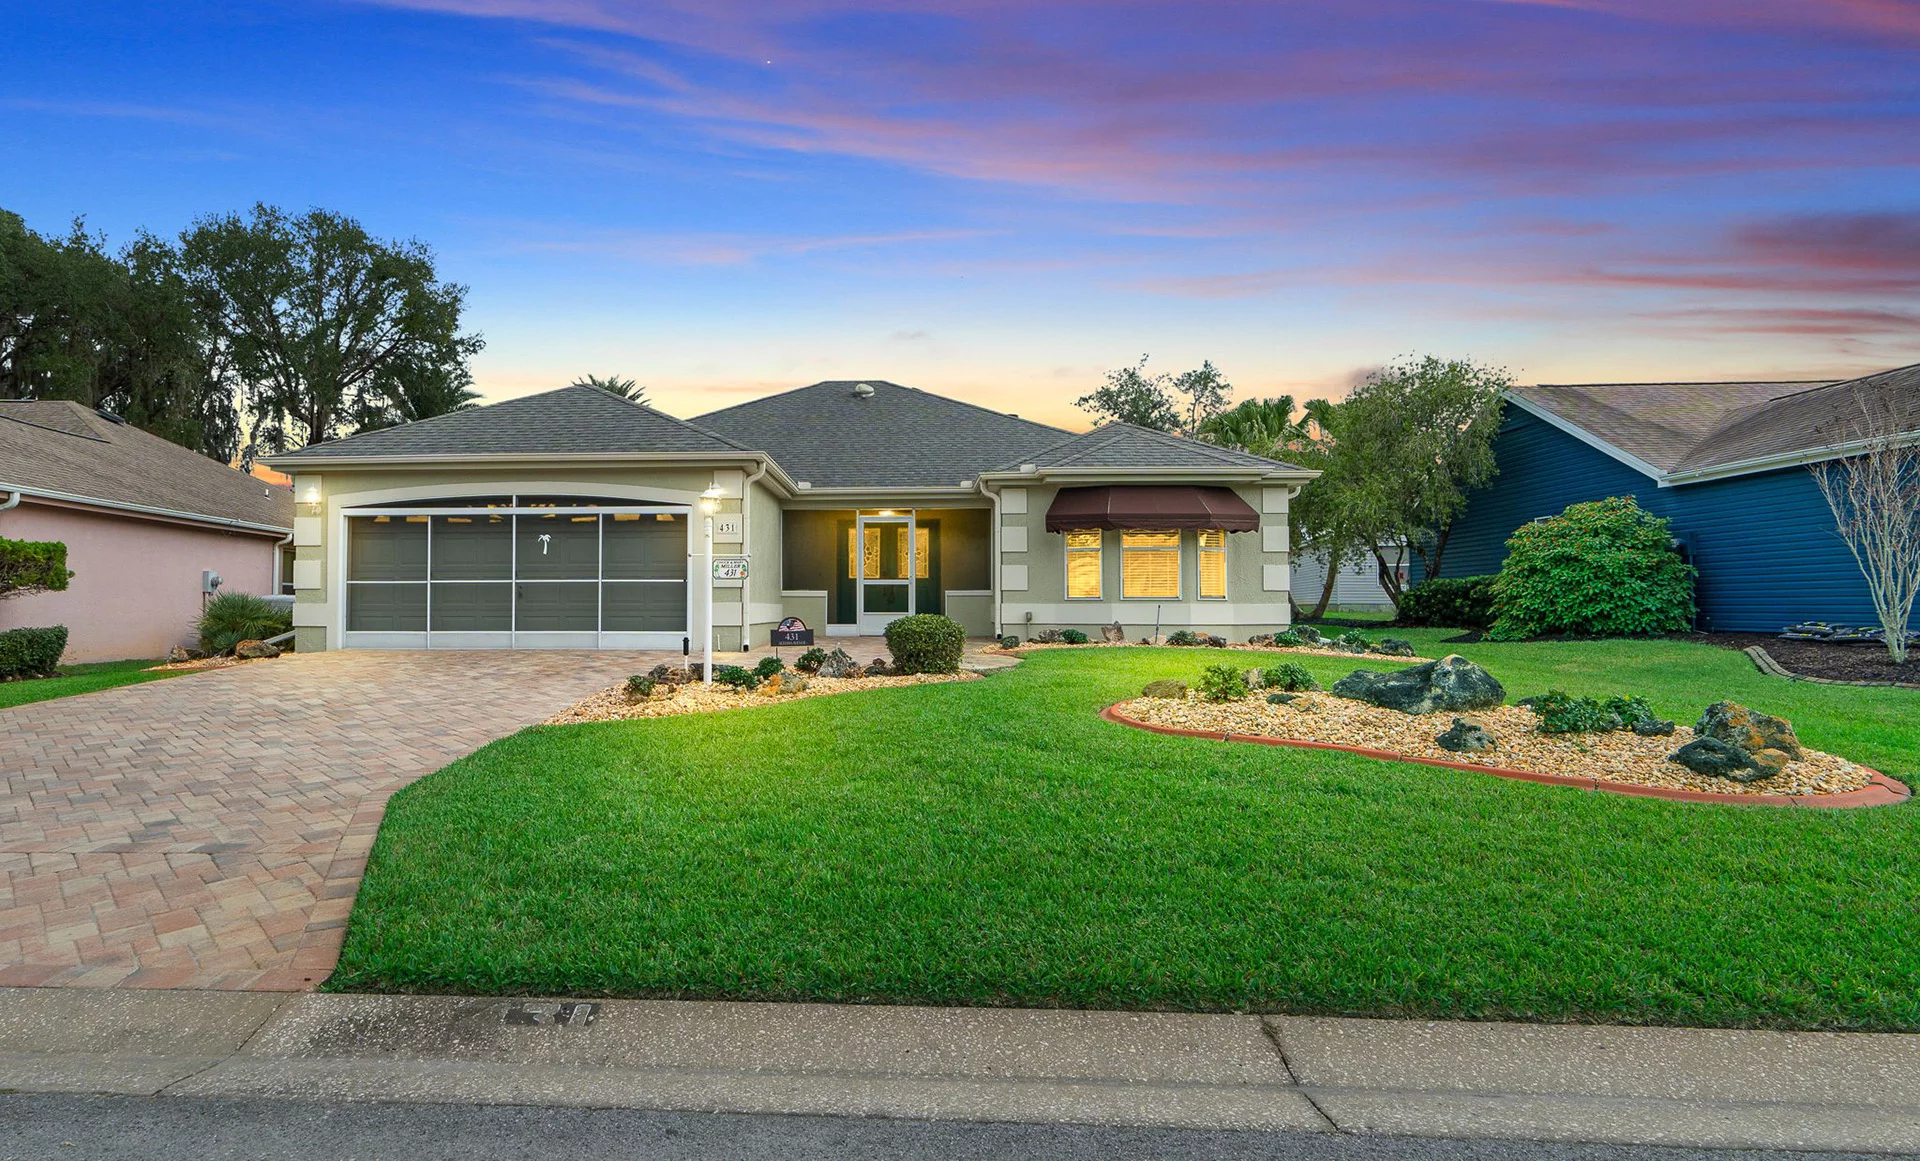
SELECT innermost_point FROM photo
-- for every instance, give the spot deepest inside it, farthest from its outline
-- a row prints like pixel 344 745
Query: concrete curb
pixel 1880 790
pixel 1703 1088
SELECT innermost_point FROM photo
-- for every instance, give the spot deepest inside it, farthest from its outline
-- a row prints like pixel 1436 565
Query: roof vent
pixel 863 391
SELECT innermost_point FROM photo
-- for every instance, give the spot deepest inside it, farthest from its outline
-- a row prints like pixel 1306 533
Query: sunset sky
pixel 1000 200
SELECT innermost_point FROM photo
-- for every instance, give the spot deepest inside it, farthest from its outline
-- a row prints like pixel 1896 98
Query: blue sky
pixel 1001 200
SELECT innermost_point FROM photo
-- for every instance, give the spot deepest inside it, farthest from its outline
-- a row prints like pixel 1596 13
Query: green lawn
pixel 993 842
pixel 80 679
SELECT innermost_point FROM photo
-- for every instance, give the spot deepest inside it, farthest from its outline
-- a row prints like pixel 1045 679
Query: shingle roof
pixel 568 420
pixel 1123 445
pixel 59 446
pixel 1812 418
pixel 1659 423
pixel 1691 427
pixel 897 436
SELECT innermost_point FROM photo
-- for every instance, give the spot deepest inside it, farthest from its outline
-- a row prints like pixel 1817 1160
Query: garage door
pixel 517 572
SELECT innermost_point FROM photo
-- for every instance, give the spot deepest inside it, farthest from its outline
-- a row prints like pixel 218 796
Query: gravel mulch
pixel 611 704
pixel 1619 756
pixel 1203 650
pixel 203 663
pixel 1863 662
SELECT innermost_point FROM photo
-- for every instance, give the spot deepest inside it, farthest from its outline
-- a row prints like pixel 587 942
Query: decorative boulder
pixel 1212 641
pixel 1254 678
pixel 791 682
pixel 839 663
pixel 255 650
pixel 1463 737
pixel 1114 634
pixel 1346 646
pixel 1716 759
pixel 878 667
pixel 1165 687
pixel 1652 728
pixel 1451 684
pixel 1282 698
pixel 179 655
pixel 1047 637
pixel 1309 634
pixel 1747 731
pixel 1394 647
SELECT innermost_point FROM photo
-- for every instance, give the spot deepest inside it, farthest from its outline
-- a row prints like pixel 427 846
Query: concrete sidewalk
pixel 1811 1091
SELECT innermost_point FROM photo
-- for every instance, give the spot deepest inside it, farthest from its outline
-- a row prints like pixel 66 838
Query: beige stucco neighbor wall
pixel 739 608
pixel 135 590
pixel 1033 575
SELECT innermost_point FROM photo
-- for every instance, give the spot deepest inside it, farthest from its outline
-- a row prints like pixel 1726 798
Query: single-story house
pixel 574 518
pixel 146 523
pixel 1725 463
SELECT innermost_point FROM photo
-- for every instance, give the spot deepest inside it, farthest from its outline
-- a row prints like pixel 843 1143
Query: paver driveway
pixel 209 831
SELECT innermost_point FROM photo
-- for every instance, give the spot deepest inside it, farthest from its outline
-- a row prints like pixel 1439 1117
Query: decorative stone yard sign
pixel 729 568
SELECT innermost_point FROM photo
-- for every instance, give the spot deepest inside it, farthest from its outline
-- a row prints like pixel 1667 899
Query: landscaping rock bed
pixel 1614 756
pixel 1203 650
pixel 612 704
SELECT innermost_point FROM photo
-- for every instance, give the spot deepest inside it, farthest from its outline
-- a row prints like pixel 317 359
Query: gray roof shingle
pixel 1123 445
pixel 57 445
pixel 898 436
pixel 1690 427
pixel 567 420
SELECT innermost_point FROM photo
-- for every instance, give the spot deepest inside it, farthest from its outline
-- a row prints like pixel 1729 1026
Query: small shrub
pixel 1288 637
pixel 231 618
pixel 735 676
pixel 1222 683
pixel 1449 602
pixel 31 652
pixel 1073 637
pixel 1010 642
pixel 640 687
pixel 768 667
pixel 1288 675
pixel 926 643
pixel 32 566
pixel 1353 640
pixel 1184 637
pixel 811 660
pixel 1605 569
pixel 1562 713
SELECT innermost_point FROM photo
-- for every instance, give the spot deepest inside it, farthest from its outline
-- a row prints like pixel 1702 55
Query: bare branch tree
pixel 1875 497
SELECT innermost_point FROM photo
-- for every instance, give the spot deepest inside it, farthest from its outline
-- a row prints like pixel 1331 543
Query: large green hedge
pixel 31 652
pixel 32 566
pixel 1464 602
pixel 926 643
pixel 1606 569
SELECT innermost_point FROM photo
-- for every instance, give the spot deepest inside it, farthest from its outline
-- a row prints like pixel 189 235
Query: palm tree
pixel 1264 427
pixel 626 389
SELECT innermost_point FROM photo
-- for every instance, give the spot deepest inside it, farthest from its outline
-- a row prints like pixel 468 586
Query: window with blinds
pixel 1083 565
pixel 1213 565
pixel 1150 565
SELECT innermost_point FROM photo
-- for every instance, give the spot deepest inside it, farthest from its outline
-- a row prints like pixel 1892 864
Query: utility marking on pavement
pixel 549 1013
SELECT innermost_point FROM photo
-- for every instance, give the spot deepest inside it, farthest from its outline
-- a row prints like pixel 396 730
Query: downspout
pixel 746 546
pixel 993 571
pixel 13 501
pixel 279 579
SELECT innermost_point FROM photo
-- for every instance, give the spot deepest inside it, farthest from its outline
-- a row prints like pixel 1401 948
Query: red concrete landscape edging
pixel 1880 791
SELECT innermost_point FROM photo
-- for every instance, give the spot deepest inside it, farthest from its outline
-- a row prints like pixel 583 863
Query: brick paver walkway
pixel 210 830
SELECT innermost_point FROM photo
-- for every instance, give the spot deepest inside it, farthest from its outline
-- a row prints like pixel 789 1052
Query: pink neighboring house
pixel 143 521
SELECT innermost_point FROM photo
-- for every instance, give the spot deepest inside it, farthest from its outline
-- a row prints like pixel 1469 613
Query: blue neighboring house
pixel 1726 463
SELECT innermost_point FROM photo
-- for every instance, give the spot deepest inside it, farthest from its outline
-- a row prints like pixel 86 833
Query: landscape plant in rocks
pixel 1072 637
pixel 809 662
pixel 1222 683
pixel 1562 713
pixel 1290 676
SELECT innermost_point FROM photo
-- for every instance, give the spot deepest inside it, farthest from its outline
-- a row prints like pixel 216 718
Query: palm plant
pixel 626 389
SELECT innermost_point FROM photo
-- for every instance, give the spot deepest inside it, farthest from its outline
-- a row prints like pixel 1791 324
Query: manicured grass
pixel 80 679
pixel 993 842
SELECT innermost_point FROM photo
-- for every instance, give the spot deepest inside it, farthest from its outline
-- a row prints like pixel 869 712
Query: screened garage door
pixel 515 572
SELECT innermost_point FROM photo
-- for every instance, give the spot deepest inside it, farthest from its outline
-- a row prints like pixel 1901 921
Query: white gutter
pixel 140 509
pixel 1793 459
pixel 993 541
pixel 294 463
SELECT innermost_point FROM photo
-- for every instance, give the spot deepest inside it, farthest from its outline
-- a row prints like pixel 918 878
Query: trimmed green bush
pixel 1288 637
pixel 735 676
pixel 31 652
pixel 1603 569
pixel 32 566
pixel 231 618
pixel 640 687
pixel 1073 637
pixel 811 660
pixel 1353 640
pixel 1009 642
pixel 1562 713
pixel 1464 602
pixel 1288 675
pixel 1222 683
pixel 767 667
pixel 926 643
pixel 1184 637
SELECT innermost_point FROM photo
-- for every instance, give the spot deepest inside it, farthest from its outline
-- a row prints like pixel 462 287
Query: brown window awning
pixel 1151 506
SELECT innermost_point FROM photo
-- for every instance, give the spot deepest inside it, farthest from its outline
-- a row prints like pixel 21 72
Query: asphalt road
pixel 35 1127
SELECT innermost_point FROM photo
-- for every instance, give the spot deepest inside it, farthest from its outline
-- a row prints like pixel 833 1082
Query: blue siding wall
pixel 1765 544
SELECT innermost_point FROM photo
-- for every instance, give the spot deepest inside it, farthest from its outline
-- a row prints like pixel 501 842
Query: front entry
pixel 886 570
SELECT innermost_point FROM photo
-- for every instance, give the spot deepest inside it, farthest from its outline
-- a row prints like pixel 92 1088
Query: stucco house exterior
pixel 573 518
pixel 144 521
pixel 1725 463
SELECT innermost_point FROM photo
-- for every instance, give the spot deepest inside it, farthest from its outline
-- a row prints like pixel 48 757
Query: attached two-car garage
pixel 513 571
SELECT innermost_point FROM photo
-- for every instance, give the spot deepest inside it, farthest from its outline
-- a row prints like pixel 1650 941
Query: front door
pixel 886 570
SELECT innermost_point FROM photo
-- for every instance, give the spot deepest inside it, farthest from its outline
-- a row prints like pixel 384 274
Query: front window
pixel 1213 565
pixel 1083 565
pixel 1150 565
